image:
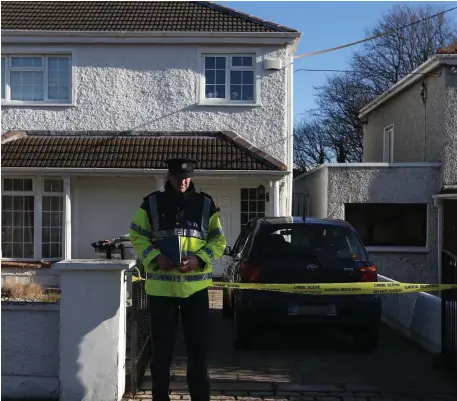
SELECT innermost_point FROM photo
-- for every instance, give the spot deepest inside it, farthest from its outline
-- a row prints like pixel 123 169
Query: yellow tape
pixel 380 288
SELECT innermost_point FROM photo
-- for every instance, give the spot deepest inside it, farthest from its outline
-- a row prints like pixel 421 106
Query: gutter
pixel 416 75
pixel 148 37
pixel 151 34
pixel 274 175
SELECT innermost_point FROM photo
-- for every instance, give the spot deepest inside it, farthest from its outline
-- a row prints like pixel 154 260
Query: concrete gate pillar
pixel 92 329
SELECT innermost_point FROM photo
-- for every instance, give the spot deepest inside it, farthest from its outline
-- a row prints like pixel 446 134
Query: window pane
pixel 235 92
pixel 220 91
pixel 248 93
pixel 244 193
pixel 7 232
pixel 28 250
pixel 50 185
pixel 247 61
pixel 236 61
pixel 28 186
pixel 7 218
pixel 210 62
pixel 210 77
pixel 7 250
pixel 235 77
pixel 248 77
pixel 27 85
pixel 58 78
pixel 52 221
pixel 7 203
pixel 220 63
pixel 220 77
pixel 28 61
pixel 3 77
pixel 18 250
pixel 7 184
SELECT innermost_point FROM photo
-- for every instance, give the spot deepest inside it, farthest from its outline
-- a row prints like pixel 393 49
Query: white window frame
pixel 388 144
pixel 38 193
pixel 229 53
pixel 8 52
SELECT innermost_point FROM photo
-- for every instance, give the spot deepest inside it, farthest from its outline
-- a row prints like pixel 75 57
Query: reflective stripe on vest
pixel 177 279
pixel 183 232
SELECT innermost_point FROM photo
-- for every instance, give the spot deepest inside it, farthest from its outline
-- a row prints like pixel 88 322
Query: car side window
pixel 241 241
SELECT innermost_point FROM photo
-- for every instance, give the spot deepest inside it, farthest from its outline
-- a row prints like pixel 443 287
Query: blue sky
pixel 324 25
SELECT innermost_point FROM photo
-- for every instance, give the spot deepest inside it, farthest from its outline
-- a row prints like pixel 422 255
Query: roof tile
pixel 211 150
pixel 178 16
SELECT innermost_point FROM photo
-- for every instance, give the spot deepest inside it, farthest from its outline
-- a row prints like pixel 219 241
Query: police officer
pixel 179 211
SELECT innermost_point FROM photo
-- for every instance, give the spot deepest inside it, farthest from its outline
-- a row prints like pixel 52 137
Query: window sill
pixel 36 104
pixel 23 264
pixel 228 104
pixel 397 249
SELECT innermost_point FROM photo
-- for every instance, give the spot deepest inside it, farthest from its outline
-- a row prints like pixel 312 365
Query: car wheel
pixel 242 331
pixel 227 311
pixel 366 337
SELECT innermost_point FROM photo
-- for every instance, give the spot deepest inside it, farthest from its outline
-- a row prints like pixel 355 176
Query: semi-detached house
pixel 96 96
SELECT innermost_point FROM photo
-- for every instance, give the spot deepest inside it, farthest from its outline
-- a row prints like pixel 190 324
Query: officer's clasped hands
pixel 188 263
pixel 164 262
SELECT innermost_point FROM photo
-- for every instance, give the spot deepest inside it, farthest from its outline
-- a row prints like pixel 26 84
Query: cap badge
pixel 184 166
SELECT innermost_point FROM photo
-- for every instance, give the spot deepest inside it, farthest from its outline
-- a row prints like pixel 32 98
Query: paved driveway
pixel 311 364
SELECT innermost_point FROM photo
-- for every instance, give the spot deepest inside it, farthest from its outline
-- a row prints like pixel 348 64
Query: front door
pixel 228 200
pixel 450 225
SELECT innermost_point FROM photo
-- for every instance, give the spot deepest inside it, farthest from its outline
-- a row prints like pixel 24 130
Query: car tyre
pixel 227 310
pixel 366 337
pixel 242 331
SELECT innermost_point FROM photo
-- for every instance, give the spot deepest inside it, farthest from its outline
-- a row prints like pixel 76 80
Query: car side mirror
pixel 227 251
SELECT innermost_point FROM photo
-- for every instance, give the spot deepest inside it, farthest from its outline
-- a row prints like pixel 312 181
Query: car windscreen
pixel 327 242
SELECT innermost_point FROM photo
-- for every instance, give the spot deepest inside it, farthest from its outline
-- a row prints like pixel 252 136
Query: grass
pixel 12 289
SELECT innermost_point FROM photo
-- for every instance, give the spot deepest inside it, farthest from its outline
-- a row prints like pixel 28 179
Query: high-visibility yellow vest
pixel 202 237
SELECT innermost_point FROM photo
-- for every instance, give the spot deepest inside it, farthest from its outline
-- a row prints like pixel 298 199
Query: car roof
pixel 301 220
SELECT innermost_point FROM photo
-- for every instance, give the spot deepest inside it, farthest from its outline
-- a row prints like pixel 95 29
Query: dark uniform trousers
pixel 164 313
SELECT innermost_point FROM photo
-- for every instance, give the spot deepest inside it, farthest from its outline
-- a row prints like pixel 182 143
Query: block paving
pixel 308 364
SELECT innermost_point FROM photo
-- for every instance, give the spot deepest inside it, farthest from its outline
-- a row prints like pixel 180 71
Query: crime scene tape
pixel 381 288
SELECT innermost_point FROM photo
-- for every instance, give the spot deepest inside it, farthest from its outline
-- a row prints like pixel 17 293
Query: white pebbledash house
pixel 96 96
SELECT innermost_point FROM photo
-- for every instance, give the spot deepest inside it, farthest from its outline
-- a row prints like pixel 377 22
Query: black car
pixel 300 250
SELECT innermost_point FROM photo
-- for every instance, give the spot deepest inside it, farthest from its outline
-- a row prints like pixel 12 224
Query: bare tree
pixel 384 61
pixel 333 131
pixel 311 146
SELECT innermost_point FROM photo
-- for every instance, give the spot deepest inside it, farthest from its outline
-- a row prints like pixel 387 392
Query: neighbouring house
pixel 403 198
pixel 96 96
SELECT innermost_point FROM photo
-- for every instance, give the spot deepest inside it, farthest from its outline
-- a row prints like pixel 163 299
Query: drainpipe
pixel 290 133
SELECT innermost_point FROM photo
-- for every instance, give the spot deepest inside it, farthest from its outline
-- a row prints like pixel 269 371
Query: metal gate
pixel 449 310
pixel 139 329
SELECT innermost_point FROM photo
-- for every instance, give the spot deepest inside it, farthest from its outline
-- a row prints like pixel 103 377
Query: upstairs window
pixel 229 78
pixel 36 79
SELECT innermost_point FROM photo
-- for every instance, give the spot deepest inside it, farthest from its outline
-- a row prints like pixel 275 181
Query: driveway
pixel 312 364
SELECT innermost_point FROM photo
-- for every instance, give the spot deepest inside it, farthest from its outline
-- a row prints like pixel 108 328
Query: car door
pixel 237 256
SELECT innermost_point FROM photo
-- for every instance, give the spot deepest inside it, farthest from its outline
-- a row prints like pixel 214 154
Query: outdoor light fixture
pixel 261 194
